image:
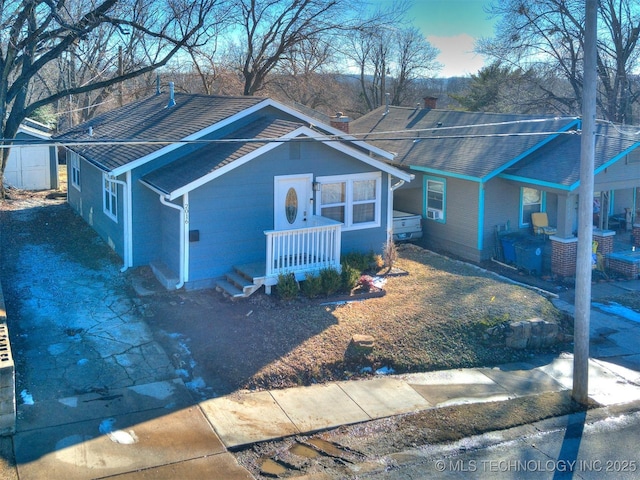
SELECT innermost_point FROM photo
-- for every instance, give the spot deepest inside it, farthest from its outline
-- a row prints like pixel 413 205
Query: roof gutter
pixel 182 212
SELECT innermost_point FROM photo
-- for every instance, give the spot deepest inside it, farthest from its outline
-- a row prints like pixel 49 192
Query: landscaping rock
pixel 534 333
pixel 363 341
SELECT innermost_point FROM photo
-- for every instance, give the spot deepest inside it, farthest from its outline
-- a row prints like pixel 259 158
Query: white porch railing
pixel 303 250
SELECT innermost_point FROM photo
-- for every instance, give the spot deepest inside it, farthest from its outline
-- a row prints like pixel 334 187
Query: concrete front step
pixel 239 283
pixel 229 290
pixel 239 280
pixel 167 278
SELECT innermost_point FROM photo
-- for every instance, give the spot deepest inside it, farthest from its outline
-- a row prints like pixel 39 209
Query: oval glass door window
pixel 291 205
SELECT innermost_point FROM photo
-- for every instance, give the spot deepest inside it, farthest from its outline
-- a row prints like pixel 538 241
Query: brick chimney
pixel 341 122
pixel 430 102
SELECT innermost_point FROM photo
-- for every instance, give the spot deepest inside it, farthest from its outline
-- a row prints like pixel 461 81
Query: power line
pixel 4 143
pixel 413 135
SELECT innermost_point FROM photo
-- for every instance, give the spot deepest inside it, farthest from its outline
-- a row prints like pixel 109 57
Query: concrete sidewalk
pixel 247 418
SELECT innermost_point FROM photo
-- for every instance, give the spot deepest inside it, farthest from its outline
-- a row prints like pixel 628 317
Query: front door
pixel 292 201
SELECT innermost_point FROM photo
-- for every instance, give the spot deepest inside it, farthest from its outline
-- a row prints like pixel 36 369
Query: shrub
pixel 312 286
pixel 360 261
pixel 331 280
pixel 287 286
pixel 366 282
pixel 349 277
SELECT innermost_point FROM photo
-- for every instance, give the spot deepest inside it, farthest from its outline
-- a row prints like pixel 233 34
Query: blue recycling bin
pixel 529 256
pixel 509 248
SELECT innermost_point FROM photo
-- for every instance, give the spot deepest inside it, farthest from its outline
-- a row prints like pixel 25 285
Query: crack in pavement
pixel 77 329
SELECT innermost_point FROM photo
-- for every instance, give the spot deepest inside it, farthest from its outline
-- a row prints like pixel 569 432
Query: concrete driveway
pixel 96 394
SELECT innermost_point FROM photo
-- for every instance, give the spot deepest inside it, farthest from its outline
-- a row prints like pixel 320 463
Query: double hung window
pixel 435 191
pixel 74 165
pixel 110 198
pixel 353 200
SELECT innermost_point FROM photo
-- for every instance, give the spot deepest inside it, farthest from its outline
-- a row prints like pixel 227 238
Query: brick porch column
pixel 564 252
pixel 604 239
pixel 635 234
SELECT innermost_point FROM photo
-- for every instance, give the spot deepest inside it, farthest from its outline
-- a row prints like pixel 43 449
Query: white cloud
pixel 456 54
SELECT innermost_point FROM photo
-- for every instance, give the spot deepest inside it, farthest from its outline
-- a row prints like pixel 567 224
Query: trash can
pixel 529 256
pixel 508 247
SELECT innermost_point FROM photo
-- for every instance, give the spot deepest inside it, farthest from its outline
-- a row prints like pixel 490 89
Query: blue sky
pixel 453 26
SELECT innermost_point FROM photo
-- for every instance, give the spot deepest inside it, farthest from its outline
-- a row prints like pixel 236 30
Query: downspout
pixel 392 188
pixel 180 209
pixel 125 227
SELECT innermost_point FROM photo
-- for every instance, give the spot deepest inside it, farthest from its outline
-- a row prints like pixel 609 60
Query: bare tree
pixel 36 34
pixel 363 50
pixel 390 61
pixel 302 75
pixel 415 57
pixel 272 29
pixel 549 36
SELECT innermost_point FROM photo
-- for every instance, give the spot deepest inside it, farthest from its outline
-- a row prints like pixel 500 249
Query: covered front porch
pixel 296 251
pixel 616 231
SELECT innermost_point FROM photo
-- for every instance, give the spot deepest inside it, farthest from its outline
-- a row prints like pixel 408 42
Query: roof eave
pixel 540 183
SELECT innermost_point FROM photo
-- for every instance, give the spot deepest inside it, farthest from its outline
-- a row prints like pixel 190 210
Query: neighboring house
pixel 32 166
pixel 480 172
pixel 203 188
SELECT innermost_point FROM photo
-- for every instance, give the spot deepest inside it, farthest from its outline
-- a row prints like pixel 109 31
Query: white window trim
pixel 441 213
pixel 112 191
pixel 348 180
pixel 75 167
pixel 542 203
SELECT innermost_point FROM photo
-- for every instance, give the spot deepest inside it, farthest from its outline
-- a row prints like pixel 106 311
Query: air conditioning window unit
pixel 434 214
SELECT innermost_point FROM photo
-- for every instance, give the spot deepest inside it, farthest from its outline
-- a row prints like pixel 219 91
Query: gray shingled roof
pixel 479 150
pixel 151 120
pixel 211 157
pixel 558 163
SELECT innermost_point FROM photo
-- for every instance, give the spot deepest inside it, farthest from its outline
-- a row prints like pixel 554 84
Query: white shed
pixel 32 167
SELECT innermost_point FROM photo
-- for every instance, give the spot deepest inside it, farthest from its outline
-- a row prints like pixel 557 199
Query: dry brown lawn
pixel 432 317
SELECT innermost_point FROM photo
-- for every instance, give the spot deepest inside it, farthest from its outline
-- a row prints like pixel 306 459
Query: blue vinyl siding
pixel 232 212
pixel 170 238
pixel 149 214
pixel 88 204
pixel 147 222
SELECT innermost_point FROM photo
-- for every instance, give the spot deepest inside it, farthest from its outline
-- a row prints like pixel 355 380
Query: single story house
pixel 228 191
pixel 480 173
pixel 32 165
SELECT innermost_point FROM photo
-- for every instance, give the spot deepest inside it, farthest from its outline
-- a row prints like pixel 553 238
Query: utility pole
pixel 580 391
